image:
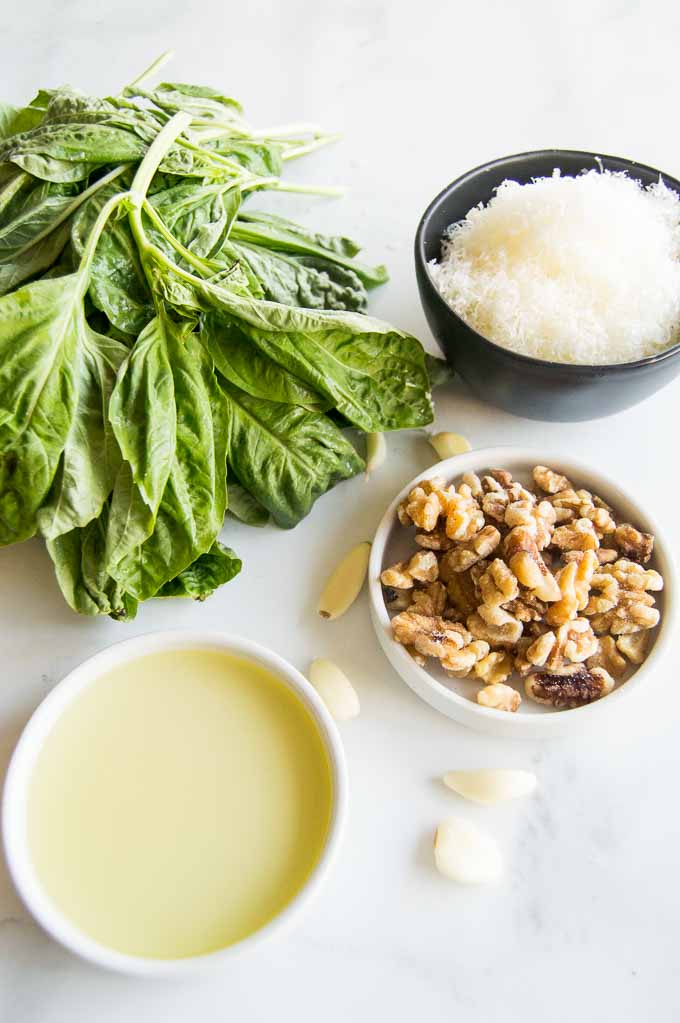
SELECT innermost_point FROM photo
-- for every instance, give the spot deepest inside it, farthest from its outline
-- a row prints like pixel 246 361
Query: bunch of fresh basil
pixel 156 337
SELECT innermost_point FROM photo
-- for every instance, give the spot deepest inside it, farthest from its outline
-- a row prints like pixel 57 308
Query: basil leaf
pixel 307 281
pixel 198 100
pixel 91 458
pixel 237 273
pixel 244 507
pixel 70 106
pixel 45 342
pixel 66 103
pixel 259 229
pixel 200 580
pixel 263 159
pixel 291 234
pixel 118 285
pixel 187 163
pixel 285 456
pixel 41 100
pixel 14 120
pixel 34 226
pixel 70 152
pixel 374 375
pixel 189 439
pixel 37 216
pixel 241 362
pixel 66 552
pixel 143 415
pixel 14 185
pixel 15 270
pixel 199 215
pixel 78 559
pixel 66 264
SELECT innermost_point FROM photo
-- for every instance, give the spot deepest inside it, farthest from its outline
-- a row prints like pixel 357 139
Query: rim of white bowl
pixel 41 907
pixel 465 710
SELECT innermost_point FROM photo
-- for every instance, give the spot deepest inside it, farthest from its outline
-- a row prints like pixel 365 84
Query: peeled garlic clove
pixel 491 785
pixel 335 689
pixel 449 444
pixel 376 451
pixel 465 854
pixel 344 585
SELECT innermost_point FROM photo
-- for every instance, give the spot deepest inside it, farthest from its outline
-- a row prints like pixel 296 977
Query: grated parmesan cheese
pixel 572 269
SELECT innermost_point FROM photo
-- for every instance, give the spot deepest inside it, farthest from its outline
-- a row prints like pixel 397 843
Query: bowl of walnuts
pixel 520 593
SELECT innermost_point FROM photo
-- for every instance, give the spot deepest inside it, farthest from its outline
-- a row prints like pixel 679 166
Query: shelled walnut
pixel 571 686
pixel 510 583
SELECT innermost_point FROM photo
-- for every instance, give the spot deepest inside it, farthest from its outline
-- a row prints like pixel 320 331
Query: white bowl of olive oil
pixel 174 801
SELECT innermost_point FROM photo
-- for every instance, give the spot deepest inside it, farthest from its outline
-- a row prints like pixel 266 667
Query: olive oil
pixel 179 803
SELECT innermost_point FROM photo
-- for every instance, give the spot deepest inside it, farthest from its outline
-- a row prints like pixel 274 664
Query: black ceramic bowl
pixel 530 387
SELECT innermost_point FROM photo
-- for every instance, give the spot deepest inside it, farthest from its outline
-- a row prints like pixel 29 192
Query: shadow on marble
pixel 28 586
pixel 11 907
pixel 423 856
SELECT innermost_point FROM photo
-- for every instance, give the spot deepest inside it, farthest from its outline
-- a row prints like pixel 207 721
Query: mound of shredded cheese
pixel 572 269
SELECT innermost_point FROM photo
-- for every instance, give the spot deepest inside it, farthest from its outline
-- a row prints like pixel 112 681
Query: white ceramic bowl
pixel 456 697
pixel 28 748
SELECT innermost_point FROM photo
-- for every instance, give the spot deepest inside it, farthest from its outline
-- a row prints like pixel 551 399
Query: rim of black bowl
pixel 568 367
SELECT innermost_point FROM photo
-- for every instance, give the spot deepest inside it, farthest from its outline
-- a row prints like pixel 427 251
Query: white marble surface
pixel 585 925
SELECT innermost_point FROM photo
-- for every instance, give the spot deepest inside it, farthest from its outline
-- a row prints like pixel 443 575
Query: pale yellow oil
pixel 179 803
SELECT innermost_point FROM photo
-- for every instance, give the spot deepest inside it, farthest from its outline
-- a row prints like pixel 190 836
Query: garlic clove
pixel 465 854
pixel 448 444
pixel 345 582
pixel 335 689
pixel 491 785
pixel 376 452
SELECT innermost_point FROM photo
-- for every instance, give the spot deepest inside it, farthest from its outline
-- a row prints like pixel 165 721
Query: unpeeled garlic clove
pixel 335 689
pixel 376 452
pixel 448 444
pixel 465 854
pixel 491 785
pixel 345 582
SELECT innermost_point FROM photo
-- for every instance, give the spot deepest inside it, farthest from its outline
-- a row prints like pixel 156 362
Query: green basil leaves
pixel 158 335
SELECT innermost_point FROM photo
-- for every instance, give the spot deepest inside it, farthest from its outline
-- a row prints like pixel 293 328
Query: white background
pixel 584 926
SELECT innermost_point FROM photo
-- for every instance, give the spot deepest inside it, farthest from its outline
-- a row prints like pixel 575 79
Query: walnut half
pixel 633 543
pixel 499 697
pixel 572 686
